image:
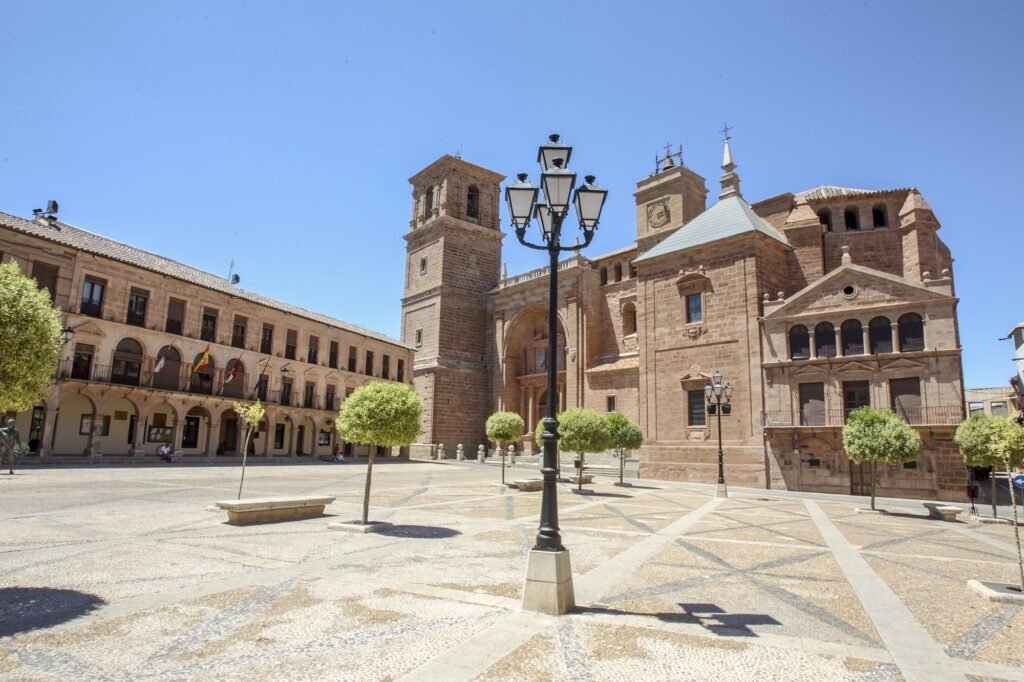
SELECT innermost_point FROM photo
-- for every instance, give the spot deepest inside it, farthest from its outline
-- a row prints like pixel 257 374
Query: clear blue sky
pixel 283 134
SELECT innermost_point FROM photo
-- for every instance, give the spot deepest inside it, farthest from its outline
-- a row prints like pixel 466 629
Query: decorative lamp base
pixel 548 586
pixel 721 491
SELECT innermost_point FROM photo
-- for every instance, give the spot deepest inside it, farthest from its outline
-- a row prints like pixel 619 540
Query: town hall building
pixel 810 304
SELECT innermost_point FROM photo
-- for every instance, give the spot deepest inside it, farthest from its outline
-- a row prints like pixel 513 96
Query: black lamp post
pixel 714 392
pixel 550 211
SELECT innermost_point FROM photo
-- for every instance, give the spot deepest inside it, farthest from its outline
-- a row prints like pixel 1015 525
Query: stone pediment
pixel 89 329
pixel 695 375
pixel 692 279
pixel 854 366
pixel 853 287
pixel 904 363
pixel 809 370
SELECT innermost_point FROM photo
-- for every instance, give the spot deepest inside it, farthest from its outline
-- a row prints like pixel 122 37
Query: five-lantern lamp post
pixel 549 577
pixel 714 392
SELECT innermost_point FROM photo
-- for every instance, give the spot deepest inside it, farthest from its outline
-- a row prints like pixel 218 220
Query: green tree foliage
pixel 581 430
pixel 873 435
pixel 622 433
pixel 30 340
pixel 380 413
pixel 504 427
pixel 974 438
pixel 251 415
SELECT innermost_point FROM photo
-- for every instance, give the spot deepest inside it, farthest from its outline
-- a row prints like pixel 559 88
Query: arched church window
pixel 825 340
pixel 628 319
pixel 428 204
pixel 825 218
pixel 879 216
pixel 473 202
pixel 880 334
pixel 799 343
pixel 853 337
pixel 617 270
pixel 604 276
pixel 851 219
pixel 127 366
pixel 911 328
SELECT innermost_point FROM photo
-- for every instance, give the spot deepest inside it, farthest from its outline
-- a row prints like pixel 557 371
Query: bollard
pixel 481 452
pixel 440 451
pixel 459 455
pixel 512 454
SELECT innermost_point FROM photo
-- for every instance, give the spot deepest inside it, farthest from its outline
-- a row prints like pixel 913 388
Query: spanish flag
pixel 204 360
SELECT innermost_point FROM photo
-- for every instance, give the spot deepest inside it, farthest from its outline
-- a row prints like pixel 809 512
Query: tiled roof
pixel 83 240
pixel 731 216
pixel 609 254
pixel 620 364
pixel 834 192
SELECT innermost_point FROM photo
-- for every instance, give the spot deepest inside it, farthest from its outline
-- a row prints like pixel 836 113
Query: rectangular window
pixel 696 409
pixel 82 363
pixel 307 398
pixel 190 433
pixel 208 331
pixel 46 277
pixel 611 403
pixel 812 404
pixel 975 408
pixel 261 388
pixel 138 299
pixel 238 331
pixel 278 436
pixel 368 368
pixel 314 350
pixel 423 265
pixel 694 311
pixel 286 392
pixel 400 376
pixel 385 367
pixel 906 399
pixel 267 339
pixel 92 297
pixel 175 316
pixel 329 399
pixel 332 356
pixel 290 342
pixel 352 358
pixel 855 394
pixel 999 409
pixel 419 338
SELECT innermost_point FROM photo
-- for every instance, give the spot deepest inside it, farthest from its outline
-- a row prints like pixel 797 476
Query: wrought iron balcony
pixel 940 415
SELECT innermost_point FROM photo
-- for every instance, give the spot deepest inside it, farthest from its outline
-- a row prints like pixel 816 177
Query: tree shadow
pixel 421 532
pixel 30 608
pixel 708 616
pixel 592 493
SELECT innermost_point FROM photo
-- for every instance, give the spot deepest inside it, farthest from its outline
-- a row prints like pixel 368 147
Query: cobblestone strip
pixel 610 575
pixel 573 656
pixel 975 638
pixel 478 653
pixel 919 657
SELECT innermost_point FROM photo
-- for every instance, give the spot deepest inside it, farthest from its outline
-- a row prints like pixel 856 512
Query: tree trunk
pixel 502 451
pixel 579 481
pixel 872 485
pixel 622 464
pixel 1016 528
pixel 245 453
pixel 366 491
pixel 992 478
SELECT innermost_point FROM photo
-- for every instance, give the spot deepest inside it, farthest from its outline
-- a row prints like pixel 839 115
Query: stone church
pixel 810 304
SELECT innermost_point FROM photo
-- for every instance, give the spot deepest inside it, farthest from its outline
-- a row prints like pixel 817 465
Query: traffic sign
pixel 1018 481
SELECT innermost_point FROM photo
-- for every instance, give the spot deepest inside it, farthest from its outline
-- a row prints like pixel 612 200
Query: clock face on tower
pixel 658 214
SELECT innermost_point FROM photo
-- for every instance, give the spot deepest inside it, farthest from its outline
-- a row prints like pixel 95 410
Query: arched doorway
pixel 127 366
pixel 160 425
pixel 227 440
pixel 75 417
pixel 525 367
pixel 195 432
pixel 118 426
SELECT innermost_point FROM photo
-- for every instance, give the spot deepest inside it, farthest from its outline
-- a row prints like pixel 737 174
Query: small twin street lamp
pixel 714 392
pixel 549 575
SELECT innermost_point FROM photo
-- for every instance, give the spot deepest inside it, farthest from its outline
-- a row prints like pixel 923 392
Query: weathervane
pixel 725 132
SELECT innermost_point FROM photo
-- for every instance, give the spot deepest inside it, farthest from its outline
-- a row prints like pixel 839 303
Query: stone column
pixel 811 342
pixel 95 447
pixel 212 427
pixel 839 340
pixel 48 432
pixel 866 334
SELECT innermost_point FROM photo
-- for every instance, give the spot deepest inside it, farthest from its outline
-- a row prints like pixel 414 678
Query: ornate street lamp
pixel 66 334
pixel 714 392
pixel 549 576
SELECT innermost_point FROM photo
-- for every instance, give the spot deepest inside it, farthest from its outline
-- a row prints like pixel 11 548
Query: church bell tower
pixel 453 260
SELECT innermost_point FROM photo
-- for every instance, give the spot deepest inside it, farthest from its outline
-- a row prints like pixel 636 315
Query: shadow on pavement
pixel 708 616
pixel 422 532
pixel 30 608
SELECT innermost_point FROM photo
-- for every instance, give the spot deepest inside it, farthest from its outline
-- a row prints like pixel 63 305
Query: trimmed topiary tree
pixel 251 414
pixel 581 430
pixel 504 427
pixel 622 435
pixel 873 435
pixel 974 438
pixel 379 414
pixel 30 340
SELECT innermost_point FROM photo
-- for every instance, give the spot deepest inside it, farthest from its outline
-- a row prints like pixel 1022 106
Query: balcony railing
pixel 940 415
pixel 178 376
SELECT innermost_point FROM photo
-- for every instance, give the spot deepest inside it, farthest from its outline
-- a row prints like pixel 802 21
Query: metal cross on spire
pixel 725 132
pixel 669 155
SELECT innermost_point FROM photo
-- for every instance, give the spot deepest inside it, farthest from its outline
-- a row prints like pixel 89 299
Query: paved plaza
pixel 123 573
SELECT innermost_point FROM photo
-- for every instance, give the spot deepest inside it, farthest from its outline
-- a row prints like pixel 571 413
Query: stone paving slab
pixel 120 573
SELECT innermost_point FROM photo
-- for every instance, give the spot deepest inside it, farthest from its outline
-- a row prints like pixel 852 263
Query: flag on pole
pixel 233 372
pixel 160 360
pixel 204 360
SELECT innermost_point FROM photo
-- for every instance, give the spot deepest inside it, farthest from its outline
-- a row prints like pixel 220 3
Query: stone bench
pixel 938 510
pixel 587 478
pixel 264 509
pixel 530 485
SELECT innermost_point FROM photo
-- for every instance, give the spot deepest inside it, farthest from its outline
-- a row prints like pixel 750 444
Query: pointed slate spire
pixel 730 181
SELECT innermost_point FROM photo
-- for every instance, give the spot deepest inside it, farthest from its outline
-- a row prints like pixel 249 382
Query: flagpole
pixel 262 376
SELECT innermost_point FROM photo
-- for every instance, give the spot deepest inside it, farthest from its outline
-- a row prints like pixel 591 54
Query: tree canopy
pixel 30 340
pixel 251 414
pixel 622 433
pixel 505 427
pixel 873 435
pixel 987 441
pixel 381 413
pixel 582 430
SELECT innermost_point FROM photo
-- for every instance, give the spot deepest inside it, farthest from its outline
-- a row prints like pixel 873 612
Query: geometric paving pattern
pixel 121 573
